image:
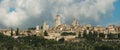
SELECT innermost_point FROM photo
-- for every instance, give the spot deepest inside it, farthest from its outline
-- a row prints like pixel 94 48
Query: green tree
pixel 118 35
pixel 17 31
pixel 11 32
pixel 101 35
pixel 85 34
pixel 67 33
pixel 61 40
pixel 110 36
pixel 45 33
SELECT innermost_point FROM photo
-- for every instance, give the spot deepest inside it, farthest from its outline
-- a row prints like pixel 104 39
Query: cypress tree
pixel 17 31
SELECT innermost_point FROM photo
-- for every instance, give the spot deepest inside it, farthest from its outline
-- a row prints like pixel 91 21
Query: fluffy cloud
pixel 14 18
pixel 37 10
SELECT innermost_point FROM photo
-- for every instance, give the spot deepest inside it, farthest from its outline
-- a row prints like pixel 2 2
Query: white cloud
pixel 14 18
pixel 25 9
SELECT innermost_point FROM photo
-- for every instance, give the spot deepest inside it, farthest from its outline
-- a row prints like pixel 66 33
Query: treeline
pixel 39 43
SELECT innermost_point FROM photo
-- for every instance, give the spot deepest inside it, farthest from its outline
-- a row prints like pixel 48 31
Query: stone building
pixel 99 29
pixel 111 28
pixel 37 31
pixel 117 29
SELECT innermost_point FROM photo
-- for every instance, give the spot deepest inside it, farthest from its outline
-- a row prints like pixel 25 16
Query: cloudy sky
pixel 29 13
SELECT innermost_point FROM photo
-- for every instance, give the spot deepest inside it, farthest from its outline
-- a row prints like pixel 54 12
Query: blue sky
pixel 1 0
pixel 116 12
pixel 115 18
pixel 11 9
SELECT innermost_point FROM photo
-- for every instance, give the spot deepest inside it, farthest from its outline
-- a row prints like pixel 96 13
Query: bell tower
pixel 75 22
pixel 57 21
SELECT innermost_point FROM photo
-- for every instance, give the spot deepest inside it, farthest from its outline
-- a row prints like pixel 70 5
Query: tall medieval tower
pixel 75 22
pixel 45 26
pixel 57 21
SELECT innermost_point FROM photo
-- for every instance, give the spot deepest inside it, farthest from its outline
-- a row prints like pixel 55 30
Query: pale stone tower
pixel 57 21
pixel 45 26
pixel 75 22
pixel 37 27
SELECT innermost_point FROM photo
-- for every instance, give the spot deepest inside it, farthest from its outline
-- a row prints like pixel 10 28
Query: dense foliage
pixel 67 33
pixel 45 33
pixel 39 43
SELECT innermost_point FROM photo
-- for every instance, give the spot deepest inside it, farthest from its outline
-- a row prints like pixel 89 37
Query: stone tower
pixel 57 21
pixel 75 22
pixel 37 27
pixel 45 26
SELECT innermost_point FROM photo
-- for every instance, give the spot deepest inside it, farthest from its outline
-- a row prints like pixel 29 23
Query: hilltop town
pixel 68 32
